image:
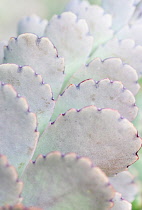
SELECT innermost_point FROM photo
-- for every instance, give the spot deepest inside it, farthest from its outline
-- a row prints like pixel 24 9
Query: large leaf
pixel 66 182
pixel 103 135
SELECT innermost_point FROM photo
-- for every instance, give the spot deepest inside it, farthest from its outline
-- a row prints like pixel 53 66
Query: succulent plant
pixel 67 103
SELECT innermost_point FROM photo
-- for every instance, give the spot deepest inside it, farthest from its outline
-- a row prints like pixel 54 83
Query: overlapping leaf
pixel 18 136
pixel 41 55
pixel 66 182
pixel 32 87
pixel 103 135
pixel 10 187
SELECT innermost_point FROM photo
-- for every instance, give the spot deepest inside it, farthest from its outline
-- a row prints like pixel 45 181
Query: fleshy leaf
pixel 32 24
pixel 10 187
pixel 18 137
pixel 124 184
pixel 70 37
pixel 126 7
pixel 99 23
pixel 32 87
pixel 127 50
pixel 100 134
pixel 18 207
pixel 131 32
pixel 111 68
pixel 66 182
pixel 120 203
pixel 102 94
pixel 41 55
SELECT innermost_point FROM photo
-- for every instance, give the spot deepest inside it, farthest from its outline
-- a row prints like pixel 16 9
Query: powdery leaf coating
pixel 32 24
pixel 98 22
pixel 124 184
pixel 102 135
pixel 66 182
pixel 41 55
pixel 10 187
pixel 32 87
pixel 131 32
pixel 111 68
pixel 114 7
pixel 126 50
pixel 102 94
pixel 70 37
pixel 18 137
pixel 18 207
pixel 120 203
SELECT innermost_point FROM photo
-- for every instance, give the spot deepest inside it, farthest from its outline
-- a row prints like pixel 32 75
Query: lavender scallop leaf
pixel 100 134
pixel 111 68
pixel 66 182
pixel 40 55
pixel 30 85
pixel 102 94
pixel 126 50
pixel 18 135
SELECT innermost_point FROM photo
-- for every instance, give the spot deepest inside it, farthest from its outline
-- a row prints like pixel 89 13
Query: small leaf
pixel 120 203
pixel 102 135
pixel 124 183
pixel 18 137
pixel 102 94
pixel 58 182
pixel 41 55
pixel 32 24
pixel 10 187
